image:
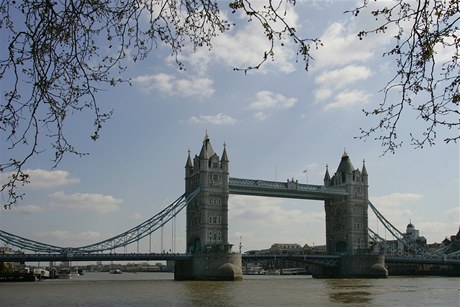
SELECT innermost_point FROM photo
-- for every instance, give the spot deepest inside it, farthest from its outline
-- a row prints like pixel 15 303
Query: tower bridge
pixel 345 197
pixel 209 255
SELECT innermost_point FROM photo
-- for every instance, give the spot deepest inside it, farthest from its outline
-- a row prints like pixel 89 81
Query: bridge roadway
pixel 334 260
pixel 322 260
pixel 289 189
pixel 93 257
pixel 421 260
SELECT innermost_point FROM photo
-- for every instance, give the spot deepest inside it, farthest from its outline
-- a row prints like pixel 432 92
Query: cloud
pixel 63 237
pixel 338 39
pixel 391 207
pixel 260 115
pixel 435 231
pixel 269 211
pixel 218 119
pixel 342 44
pixel 395 199
pixel 136 216
pixel 337 73
pixel 342 77
pixel 453 214
pixel 333 80
pixel 269 100
pixel 323 93
pixel 28 209
pixel 348 99
pixel 85 202
pixel 43 179
pixel 170 85
pixel 244 46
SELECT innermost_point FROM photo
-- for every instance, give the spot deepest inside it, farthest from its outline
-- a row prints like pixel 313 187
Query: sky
pixel 276 122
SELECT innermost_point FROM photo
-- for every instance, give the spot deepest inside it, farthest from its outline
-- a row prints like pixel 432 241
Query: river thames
pixel 159 289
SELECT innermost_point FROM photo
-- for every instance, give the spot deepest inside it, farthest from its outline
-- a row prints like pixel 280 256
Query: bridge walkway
pixel 289 189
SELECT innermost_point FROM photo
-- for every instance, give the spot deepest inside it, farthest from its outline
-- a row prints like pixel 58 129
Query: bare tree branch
pixel 425 85
pixel 60 53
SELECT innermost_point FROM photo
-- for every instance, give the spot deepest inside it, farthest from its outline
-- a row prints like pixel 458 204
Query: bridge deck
pixel 94 257
pixel 289 189
pixel 322 260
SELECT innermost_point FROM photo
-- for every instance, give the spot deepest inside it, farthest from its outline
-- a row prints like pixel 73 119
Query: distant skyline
pixel 276 123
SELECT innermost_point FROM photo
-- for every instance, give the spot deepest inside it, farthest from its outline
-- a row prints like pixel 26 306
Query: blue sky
pixel 275 122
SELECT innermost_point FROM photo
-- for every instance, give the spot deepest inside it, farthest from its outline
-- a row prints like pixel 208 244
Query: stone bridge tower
pixel 207 214
pixel 346 216
pixel 207 219
pixel 347 226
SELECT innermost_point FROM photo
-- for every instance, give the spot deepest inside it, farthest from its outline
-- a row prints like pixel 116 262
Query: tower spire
pixel 364 170
pixel 327 177
pixel 224 154
pixel 206 150
pixel 189 163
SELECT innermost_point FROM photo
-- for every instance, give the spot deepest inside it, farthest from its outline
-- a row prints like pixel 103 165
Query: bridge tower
pixel 207 215
pixel 346 217
pixel 347 224
pixel 207 219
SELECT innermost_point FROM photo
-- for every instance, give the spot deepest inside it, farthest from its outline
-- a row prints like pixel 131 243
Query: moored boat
pixel 64 273
pixel 115 271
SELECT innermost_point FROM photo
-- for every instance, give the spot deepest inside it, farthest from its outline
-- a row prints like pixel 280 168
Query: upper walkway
pixel 289 189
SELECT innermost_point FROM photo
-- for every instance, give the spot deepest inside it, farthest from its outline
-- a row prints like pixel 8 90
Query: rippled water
pixel 159 289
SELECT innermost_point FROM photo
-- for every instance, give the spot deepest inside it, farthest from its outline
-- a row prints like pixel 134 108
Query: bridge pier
pixel 355 266
pixel 210 266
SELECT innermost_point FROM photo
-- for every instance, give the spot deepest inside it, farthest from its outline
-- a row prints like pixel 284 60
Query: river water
pixel 159 289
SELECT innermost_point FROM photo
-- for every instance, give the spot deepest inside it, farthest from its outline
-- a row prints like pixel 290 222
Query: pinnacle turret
pixel 345 165
pixel 224 157
pixel 364 170
pixel 189 163
pixel 206 149
pixel 327 177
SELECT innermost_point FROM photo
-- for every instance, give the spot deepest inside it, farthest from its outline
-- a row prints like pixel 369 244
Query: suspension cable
pixel 122 240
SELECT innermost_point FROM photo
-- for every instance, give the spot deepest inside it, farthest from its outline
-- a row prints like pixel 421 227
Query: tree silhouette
pixel 424 82
pixel 57 54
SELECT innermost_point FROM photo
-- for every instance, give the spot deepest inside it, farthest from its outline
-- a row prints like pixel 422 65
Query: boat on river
pixel 64 273
pixel 115 271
